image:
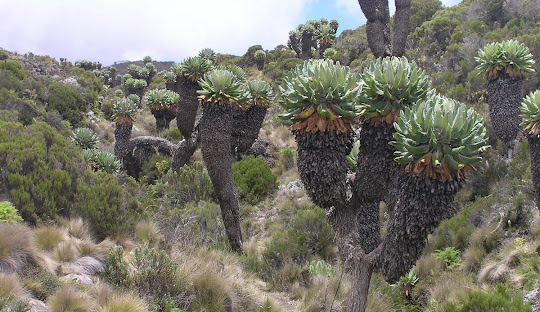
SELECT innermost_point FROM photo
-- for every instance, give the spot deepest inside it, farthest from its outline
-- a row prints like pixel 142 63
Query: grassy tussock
pixel 16 247
pixel 11 287
pixel 48 237
pixel 77 228
pixel 124 303
pixel 65 252
pixel 451 286
pixel 147 232
pixel 69 299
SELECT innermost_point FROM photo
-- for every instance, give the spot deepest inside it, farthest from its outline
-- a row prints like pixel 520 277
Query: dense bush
pixel 498 299
pixel 306 236
pixel 40 167
pixel 278 70
pixel 8 213
pixel 153 276
pixel 253 178
pixel 67 100
pixel 14 67
pixel 101 201
pixel 156 167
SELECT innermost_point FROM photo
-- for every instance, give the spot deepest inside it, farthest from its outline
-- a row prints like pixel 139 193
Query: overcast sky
pixel 116 30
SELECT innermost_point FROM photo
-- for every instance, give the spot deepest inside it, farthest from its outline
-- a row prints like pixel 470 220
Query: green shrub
pixel 172 135
pixel 155 168
pixel 116 268
pixel 450 257
pixel 190 184
pixel 12 305
pixel 306 235
pixel 41 283
pixel 40 168
pixel 253 178
pixel 203 225
pixel 8 213
pixel 101 201
pixel 497 299
pixel 287 158
pixel 276 71
pixel 14 67
pixel 68 101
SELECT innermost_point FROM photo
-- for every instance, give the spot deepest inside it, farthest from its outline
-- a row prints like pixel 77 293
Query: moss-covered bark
pixel 422 205
pixel 215 129
pixel 186 110
pixel 504 98
pixel 246 127
pixel 323 166
pixel 122 135
pixel 534 147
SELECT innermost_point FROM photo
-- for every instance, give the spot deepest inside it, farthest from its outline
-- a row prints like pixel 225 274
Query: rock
pixel 37 306
pixel 533 297
pixel 77 278
pixel 70 81
pixel 294 186
pixel 85 265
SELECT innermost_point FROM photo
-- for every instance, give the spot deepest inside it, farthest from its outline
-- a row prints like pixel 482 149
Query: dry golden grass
pixel 10 286
pixel 377 303
pixel 428 266
pixel 76 227
pixel 48 237
pixel 473 257
pixel 16 247
pixel 147 232
pixel 69 299
pixel 124 303
pixel 324 293
pixel 65 252
pixel 451 286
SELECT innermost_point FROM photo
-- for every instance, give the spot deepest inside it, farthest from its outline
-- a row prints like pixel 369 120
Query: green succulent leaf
pixel 194 68
pixel 159 99
pixel 390 84
pixel 132 83
pixel 124 108
pixel 237 71
pixel 509 56
pixel 220 87
pixel 321 86
pixel 261 92
pixel 86 138
pixel 530 113
pixel 208 54
pixel 259 55
pixel 101 161
pixel 440 138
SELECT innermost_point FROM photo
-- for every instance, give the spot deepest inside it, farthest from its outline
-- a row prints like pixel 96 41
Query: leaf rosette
pixel 439 138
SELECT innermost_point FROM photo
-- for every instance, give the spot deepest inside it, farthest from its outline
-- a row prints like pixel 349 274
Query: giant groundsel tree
pixel 530 112
pixel 504 64
pixel 434 142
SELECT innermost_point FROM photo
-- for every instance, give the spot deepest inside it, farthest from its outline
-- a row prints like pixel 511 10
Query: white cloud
pixel 109 31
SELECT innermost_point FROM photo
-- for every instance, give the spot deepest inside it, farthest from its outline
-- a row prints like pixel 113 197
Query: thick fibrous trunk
pixel 377 26
pixel 260 64
pixel 295 44
pixel 215 128
pixel 246 126
pixel 401 26
pixel 421 206
pixel 307 41
pixel 323 166
pixel 504 98
pixel 171 86
pixel 322 48
pixel 534 147
pixel 186 110
pixel 184 150
pixel 122 134
pixel 141 149
pixel 375 166
pixel 361 278
pixel 161 122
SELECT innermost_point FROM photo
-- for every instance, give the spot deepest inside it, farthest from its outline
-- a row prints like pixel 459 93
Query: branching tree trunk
pixel 215 128
pixel 534 147
pixel 186 110
pixel 378 26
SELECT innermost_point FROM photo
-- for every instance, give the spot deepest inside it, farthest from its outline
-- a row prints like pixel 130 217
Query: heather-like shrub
pixel 497 299
pixel 40 169
pixel 116 267
pixel 8 213
pixel 253 178
pixel 14 67
pixel 68 101
pixel 155 168
pixel 100 200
